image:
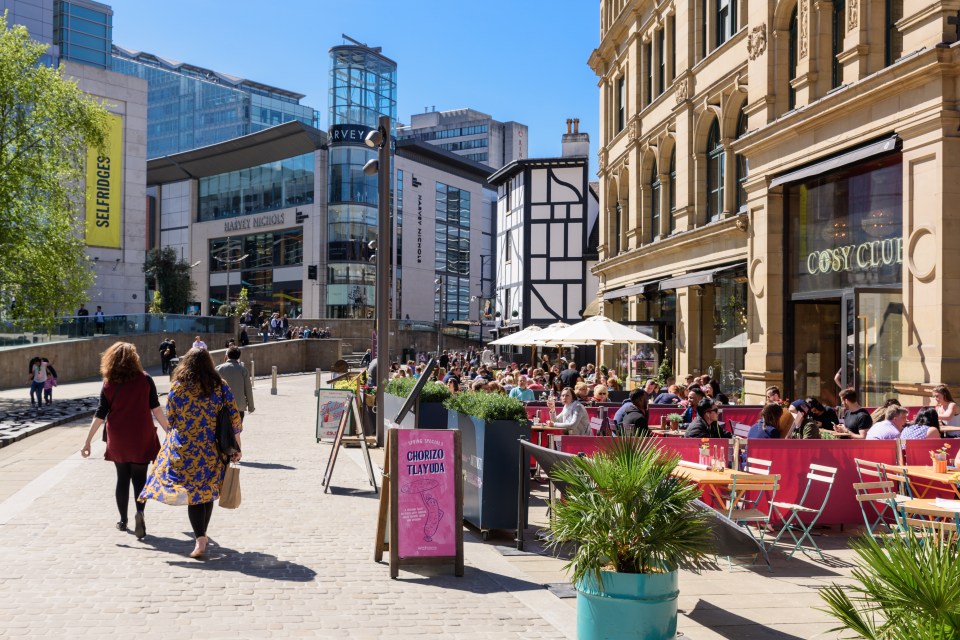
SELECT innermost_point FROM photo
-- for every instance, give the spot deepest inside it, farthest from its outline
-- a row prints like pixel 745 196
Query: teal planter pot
pixel 628 606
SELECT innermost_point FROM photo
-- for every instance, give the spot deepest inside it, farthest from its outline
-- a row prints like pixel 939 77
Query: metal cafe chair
pixel 744 507
pixel 930 520
pixel 821 475
pixel 900 480
pixel 878 504
pixel 758 466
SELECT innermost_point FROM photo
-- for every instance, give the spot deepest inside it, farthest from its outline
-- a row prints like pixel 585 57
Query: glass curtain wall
pixel 265 252
pixel 363 87
pixel 275 185
pixel 452 261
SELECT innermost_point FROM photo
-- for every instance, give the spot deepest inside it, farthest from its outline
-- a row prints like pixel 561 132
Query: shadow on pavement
pixel 267 465
pixel 730 625
pixel 474 580
pixel 220 558
pixel 356 493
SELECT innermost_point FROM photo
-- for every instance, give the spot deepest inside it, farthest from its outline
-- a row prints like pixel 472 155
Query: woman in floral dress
pixel 189 469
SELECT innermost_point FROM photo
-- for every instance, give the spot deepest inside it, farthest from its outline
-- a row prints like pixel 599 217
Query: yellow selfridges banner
pixel 104 185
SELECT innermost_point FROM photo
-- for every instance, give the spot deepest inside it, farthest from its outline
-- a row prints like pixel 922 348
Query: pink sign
pixel 426 500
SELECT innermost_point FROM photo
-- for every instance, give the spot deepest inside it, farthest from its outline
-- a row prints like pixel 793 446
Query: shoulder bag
pixel 226 440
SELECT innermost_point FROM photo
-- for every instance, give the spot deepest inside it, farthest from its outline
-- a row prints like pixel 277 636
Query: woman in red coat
pixel 128 404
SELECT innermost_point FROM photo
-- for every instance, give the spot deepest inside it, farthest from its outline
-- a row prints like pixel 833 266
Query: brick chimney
pixel 575 144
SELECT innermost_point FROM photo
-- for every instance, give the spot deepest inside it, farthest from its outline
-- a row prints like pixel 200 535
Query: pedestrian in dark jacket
pixel 635 417
pixel 705 424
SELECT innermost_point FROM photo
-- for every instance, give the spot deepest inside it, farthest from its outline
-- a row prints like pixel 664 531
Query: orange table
pixel 927 515
pixel 923 480
pixel 550 432
pixel 716 484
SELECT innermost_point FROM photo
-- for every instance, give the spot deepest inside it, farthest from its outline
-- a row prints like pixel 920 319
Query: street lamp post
pixel 479 300
pixel 379 139
pixel 439 291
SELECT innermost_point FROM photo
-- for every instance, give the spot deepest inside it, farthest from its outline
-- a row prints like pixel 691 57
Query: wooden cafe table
pixel 923 479
pixel 716 484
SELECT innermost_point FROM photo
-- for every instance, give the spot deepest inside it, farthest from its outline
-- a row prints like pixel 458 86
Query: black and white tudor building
pixel 547 235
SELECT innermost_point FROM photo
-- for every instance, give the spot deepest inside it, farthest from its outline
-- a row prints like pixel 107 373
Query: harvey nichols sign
pixel 351 134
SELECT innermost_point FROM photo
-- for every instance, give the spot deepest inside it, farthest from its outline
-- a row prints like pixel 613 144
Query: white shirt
pixel 574 419
pixel 199 344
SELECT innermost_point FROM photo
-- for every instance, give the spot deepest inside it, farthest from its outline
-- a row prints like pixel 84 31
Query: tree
pixel 156 305
pixel 171 276
pixel 243 301
pixel 46 126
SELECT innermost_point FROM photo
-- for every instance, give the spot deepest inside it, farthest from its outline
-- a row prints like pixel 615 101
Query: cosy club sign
pixel 866 256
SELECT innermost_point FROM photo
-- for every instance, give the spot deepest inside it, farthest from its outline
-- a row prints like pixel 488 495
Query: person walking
pixel 168 351
pixel 38 377
pixel 99 320
pixel 238 379
pixel 128 404
pixel 50 383
pixel 82 314
pixel 189 469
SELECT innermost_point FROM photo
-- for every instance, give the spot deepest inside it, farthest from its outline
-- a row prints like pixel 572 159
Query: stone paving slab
pixel 294 562
pixel 291 562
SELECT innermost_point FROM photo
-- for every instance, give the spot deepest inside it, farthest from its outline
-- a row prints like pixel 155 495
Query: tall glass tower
pixel 363 87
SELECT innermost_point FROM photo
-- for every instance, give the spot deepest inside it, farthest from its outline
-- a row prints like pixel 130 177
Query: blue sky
pixel 522 60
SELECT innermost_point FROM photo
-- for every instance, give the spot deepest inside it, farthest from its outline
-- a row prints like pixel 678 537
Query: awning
pixel 269 145
pixel 836 162
pixel 697 277
pixel 738 341
pixel 626 292
pixel 593 309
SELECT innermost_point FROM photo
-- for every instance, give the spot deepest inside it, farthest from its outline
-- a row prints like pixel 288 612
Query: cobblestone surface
pixel 291 562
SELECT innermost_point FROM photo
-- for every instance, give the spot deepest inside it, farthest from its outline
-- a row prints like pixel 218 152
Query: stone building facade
pixel 775 189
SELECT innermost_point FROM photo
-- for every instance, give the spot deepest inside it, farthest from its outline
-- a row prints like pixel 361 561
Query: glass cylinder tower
pixel 363 87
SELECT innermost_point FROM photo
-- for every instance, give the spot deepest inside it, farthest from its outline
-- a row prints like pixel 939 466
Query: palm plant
pixel 627 513
pixel 909 588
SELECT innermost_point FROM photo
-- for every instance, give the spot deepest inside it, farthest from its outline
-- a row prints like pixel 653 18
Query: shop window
pixel 715 172
pixel 741 161
pixel 654 203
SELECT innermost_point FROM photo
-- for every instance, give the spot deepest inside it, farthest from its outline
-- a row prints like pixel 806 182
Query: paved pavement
pixel 295 562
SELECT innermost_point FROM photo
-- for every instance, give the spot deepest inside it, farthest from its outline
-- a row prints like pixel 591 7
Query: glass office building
pixel 363 87
pixel 191 107
pixel 84 32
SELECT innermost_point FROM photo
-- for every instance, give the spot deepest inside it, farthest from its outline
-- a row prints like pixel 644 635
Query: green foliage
pixel 664 372
pixel 487 406
pixel 224 310
pixel 172 277
pixel 676 418
pixel 156 305
pixel 46 126
pixel 346 383
pixel 432 391
pixel 627 513
pixel 243 301
pixel 909 589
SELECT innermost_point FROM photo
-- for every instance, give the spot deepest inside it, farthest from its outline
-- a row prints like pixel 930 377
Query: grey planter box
pixel 491 464
pixel 431 415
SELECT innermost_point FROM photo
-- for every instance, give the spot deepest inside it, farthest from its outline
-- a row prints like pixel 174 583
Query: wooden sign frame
pixel 388 524
pixel 341 438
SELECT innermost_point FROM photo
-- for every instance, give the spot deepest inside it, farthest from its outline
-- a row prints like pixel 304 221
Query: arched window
pixel 673 191
pixel 617 229
pixel 839 30
pixel 741 162
pixel 792 43
pixel 654 203
pixel 715 172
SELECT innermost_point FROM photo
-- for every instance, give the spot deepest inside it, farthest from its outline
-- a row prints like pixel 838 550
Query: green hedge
pixel 432 391
pixel 488 406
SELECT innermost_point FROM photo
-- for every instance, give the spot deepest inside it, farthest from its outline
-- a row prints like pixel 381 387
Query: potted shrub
pixel 634 524
pixel 430 412
pixel 905 588
pixel 491 424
